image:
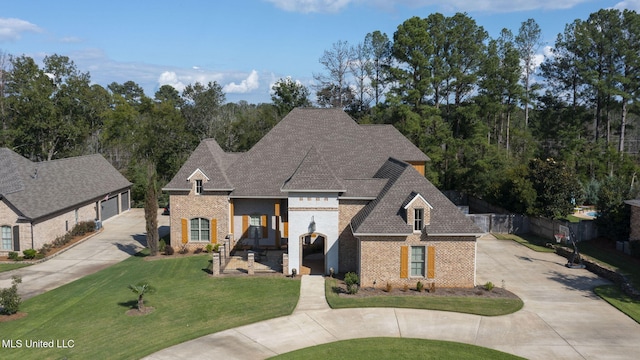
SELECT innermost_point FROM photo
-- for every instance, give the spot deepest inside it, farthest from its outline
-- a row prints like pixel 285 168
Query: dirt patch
pixel 145 311
pixel 16 316
pixel 478 291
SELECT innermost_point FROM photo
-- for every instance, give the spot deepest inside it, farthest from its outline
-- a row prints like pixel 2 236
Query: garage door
pixel 109 208
pixel 124 201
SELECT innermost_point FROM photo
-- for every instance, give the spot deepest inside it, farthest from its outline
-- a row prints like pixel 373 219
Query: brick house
pixel 318 181
pixel 40 201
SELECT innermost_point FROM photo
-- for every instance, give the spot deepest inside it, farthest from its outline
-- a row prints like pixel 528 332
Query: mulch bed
pixel 53 251
pixel 16 316
pixel 477 292
pixel 146 311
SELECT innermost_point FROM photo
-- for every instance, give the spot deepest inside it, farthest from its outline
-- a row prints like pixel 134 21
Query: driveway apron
pixel 121 237
pixel 561 319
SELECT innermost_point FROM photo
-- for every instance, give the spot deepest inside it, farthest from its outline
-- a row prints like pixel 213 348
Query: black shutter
pixel 16 238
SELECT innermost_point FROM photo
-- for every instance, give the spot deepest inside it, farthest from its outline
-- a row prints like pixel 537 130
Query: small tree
pixel 9 298
pixel 351 280
pixel 141 289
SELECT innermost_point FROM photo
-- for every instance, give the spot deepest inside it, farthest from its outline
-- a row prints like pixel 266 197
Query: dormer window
pixel 198 187
pixel 418 219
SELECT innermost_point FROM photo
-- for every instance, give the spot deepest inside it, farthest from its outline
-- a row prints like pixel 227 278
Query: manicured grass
pixel 615 297
pixel 533 242
pixel 394 348
pixel 188 303
pixel 469 305
pixel 12 266
pixel 614 259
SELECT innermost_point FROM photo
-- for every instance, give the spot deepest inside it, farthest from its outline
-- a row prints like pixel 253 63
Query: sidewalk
pixel 562 318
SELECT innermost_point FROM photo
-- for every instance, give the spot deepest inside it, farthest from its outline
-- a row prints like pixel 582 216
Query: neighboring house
pixel 355 193
pixel 40 201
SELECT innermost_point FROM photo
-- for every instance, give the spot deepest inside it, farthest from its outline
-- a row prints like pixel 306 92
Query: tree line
pixel 537 138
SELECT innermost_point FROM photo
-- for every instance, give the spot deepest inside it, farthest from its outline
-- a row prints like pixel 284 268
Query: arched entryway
pixel 312 254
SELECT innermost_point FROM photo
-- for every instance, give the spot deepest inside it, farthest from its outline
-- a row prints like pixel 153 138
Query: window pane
pixel 255 220
pixel 418 219
pixel 417 261
pixel 6 238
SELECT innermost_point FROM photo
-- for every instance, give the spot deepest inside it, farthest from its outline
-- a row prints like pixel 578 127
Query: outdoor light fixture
pixel 312 226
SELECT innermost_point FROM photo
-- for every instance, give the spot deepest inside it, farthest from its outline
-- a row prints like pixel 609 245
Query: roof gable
pixel 211 161
pixel 196 172
pixel 416 198
pixel 313 174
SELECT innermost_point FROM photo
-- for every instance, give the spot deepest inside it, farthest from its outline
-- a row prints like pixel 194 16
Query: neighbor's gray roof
pixel 385 214
pixel 43 188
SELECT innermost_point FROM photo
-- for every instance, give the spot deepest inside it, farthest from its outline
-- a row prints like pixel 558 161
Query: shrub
pixel 351 280
pixel 405 288
pixel 83 227
pixel 162 246
pixel 14 255
pixel 29 253
pixel 44 250
pixel 184 249
pixel 488 286
pixel 388 287
pixel 169 250
pixel 209 248
pixel 216 248
pixel 9 298
pixel 419 286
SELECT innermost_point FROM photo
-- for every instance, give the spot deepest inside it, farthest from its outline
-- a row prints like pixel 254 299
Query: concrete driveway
pixel 122 236
pixel 561 319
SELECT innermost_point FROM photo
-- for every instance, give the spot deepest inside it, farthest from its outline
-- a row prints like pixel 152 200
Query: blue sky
pixel 244 45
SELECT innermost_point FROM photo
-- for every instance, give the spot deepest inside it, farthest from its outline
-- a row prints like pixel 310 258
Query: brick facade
pixel 454 261
pixel 45 230
pixel 347 243
pixel 209 205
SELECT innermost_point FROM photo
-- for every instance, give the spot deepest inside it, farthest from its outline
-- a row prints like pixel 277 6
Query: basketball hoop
pixel 559 237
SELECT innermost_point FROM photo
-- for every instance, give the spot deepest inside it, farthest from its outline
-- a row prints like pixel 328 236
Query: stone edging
pixel 604 271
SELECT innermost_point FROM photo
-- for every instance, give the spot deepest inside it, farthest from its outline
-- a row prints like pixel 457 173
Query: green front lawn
pixel 469 305
pixel 12 266
pixel 188 303
pixel 614 296
pixel 394 348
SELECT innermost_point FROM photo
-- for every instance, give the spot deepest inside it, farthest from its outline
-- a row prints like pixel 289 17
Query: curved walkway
pixel 123 236
pixel 562 318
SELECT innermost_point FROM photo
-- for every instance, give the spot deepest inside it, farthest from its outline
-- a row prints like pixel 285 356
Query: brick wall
pixel 347 243
pixel 454 261
pixel 47 229
pixel 209 205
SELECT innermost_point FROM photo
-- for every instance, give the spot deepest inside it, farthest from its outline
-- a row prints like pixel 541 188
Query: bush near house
pixel 9 298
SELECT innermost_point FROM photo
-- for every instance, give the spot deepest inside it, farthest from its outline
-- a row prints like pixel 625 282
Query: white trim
pixel 414 199
pixel 311 191
pixel 201 172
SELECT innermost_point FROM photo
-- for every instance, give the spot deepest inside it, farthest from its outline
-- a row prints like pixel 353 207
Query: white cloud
pixel 311 6
pixel 628 4
pixel 11 29
pixel 249 84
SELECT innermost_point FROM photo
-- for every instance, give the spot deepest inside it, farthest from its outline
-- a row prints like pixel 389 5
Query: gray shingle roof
pixel 212 161
pixel 43 188
pixel 393 143
pixel 385 214
pixel 325 149
pixel 313 174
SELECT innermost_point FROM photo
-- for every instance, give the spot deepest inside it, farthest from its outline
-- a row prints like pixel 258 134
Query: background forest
pixel 534 137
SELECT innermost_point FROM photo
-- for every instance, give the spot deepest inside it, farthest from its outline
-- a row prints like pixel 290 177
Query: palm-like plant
pixel 141 289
